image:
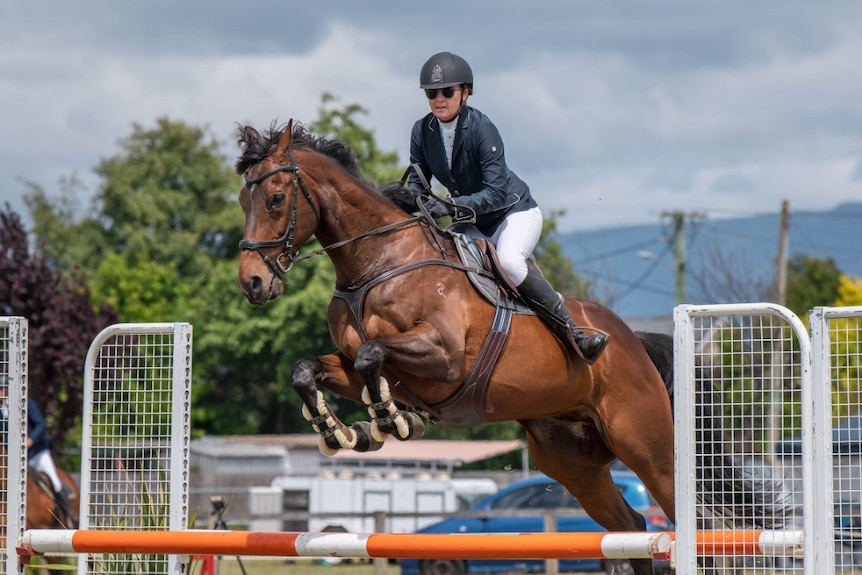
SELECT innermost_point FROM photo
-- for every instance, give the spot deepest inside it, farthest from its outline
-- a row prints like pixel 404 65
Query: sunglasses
pixel 431 93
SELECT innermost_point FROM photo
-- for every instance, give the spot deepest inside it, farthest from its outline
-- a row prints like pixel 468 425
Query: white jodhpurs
pixel 43 462
pixel 515 239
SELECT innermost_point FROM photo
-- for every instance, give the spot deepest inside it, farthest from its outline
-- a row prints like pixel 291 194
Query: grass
pixel 253 566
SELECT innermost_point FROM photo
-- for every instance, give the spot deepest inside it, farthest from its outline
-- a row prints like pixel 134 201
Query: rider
pixel 38 449
pixel 460 147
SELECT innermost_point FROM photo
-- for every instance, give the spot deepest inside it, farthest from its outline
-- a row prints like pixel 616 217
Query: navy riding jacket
pixel 480 178
pixel 37 429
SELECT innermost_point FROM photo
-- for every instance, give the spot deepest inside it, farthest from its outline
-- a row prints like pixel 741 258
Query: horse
pixel 412 334
pixel 43 509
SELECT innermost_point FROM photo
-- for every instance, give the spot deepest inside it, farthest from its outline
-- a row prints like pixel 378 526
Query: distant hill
pixel 632 267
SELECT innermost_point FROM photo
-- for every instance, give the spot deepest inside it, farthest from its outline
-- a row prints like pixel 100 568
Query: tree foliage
pixel 849 291
pixel 337 123
pixel 61 324
pixel 556 266
pixel 811 282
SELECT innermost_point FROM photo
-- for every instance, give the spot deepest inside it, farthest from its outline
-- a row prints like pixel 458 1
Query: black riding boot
pixel 66 512
pixel 548 304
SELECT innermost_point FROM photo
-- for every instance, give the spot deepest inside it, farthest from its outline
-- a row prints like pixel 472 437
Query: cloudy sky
pixel 613 111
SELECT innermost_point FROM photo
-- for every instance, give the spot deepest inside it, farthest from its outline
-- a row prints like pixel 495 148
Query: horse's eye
pixel 276 200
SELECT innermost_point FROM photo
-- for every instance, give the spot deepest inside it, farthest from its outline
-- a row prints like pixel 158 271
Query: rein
pixel 289 253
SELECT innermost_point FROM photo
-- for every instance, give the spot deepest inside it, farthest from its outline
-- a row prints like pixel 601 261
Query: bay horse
pixel 409 328
pixel 43 509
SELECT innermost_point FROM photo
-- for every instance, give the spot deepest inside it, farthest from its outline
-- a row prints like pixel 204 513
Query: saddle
pixel 479 257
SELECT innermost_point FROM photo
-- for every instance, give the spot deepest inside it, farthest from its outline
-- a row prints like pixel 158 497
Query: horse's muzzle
pixel 257 282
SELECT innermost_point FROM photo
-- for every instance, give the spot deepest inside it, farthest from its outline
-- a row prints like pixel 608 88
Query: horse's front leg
pixel 417 351
pixel 334 373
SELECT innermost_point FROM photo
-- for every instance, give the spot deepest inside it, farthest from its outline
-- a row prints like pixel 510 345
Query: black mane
pixel 256 147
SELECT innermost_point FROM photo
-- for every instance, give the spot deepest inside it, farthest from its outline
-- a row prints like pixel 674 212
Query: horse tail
pixel 659 347
pixel 736 489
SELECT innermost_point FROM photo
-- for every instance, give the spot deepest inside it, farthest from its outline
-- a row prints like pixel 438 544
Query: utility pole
pixel 679 255
pixel 781 263
pixel 678 238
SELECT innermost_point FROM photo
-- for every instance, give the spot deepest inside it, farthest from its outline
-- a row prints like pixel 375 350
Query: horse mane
pixel 256 147
pixel 401 196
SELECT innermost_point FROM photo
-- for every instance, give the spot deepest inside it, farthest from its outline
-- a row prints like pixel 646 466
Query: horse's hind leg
pixel 575 454
pixel 333 373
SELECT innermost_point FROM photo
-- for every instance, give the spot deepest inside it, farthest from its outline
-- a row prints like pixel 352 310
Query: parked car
pixel 536 493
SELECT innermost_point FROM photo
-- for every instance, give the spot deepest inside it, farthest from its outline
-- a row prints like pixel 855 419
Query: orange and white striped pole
pixel 639 545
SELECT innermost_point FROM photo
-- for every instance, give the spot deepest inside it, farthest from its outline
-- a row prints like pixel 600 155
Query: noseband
pixel 283 261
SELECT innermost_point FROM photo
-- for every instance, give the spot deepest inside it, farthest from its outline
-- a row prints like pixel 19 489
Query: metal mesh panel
pixel 135 458
pixel 742 373
pixel 13 452
pixel 843 369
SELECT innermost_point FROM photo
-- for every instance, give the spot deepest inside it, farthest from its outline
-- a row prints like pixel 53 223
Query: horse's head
pixel 280 212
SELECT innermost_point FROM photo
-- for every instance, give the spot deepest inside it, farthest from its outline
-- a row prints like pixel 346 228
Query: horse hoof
pixel 366 439
pixel 409 426
pixel 417 425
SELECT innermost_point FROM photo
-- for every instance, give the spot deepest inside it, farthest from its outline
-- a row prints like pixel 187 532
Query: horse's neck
pixel 357 215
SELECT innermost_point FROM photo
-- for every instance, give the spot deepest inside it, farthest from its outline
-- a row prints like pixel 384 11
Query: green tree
pixel 849 291
pixel 811 282
pixel 341 124
pixel 556 266
pixel 847 351
pixel 61 325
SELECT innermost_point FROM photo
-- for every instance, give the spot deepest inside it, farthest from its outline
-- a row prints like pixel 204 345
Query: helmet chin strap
pixel 458 113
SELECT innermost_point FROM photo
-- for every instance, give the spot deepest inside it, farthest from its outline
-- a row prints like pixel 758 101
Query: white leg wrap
pixel 385 394
pixel 402 426
pixel 325 449
pixel 380 436
pixel 346 437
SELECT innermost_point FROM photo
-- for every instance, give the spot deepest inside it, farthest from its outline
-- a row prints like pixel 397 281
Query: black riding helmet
pixel 445 69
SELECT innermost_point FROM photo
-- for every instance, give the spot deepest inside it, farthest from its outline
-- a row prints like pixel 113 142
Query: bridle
pixel 289 255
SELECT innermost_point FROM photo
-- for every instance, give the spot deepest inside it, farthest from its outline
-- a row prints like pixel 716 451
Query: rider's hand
pixel 439 209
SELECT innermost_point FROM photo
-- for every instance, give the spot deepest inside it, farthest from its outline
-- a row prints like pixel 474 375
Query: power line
pixel 638 283
pixel 619 251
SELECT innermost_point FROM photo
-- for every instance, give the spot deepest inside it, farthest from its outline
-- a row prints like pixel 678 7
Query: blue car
pixel 534 494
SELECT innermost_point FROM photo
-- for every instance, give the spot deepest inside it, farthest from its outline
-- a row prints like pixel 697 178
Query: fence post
pixel 552 566
pixel 380 563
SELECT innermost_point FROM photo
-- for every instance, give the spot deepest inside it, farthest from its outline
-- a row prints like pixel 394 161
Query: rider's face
pixel 443 108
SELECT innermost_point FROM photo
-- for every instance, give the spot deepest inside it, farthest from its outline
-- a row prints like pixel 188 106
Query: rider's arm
pixel 36 426
pixel 417 158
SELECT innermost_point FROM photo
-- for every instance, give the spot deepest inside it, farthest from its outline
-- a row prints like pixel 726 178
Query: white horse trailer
pixel 348 503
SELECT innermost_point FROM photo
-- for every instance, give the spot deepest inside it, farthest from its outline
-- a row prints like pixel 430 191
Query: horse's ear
pixel 284 141
pixel 247 135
